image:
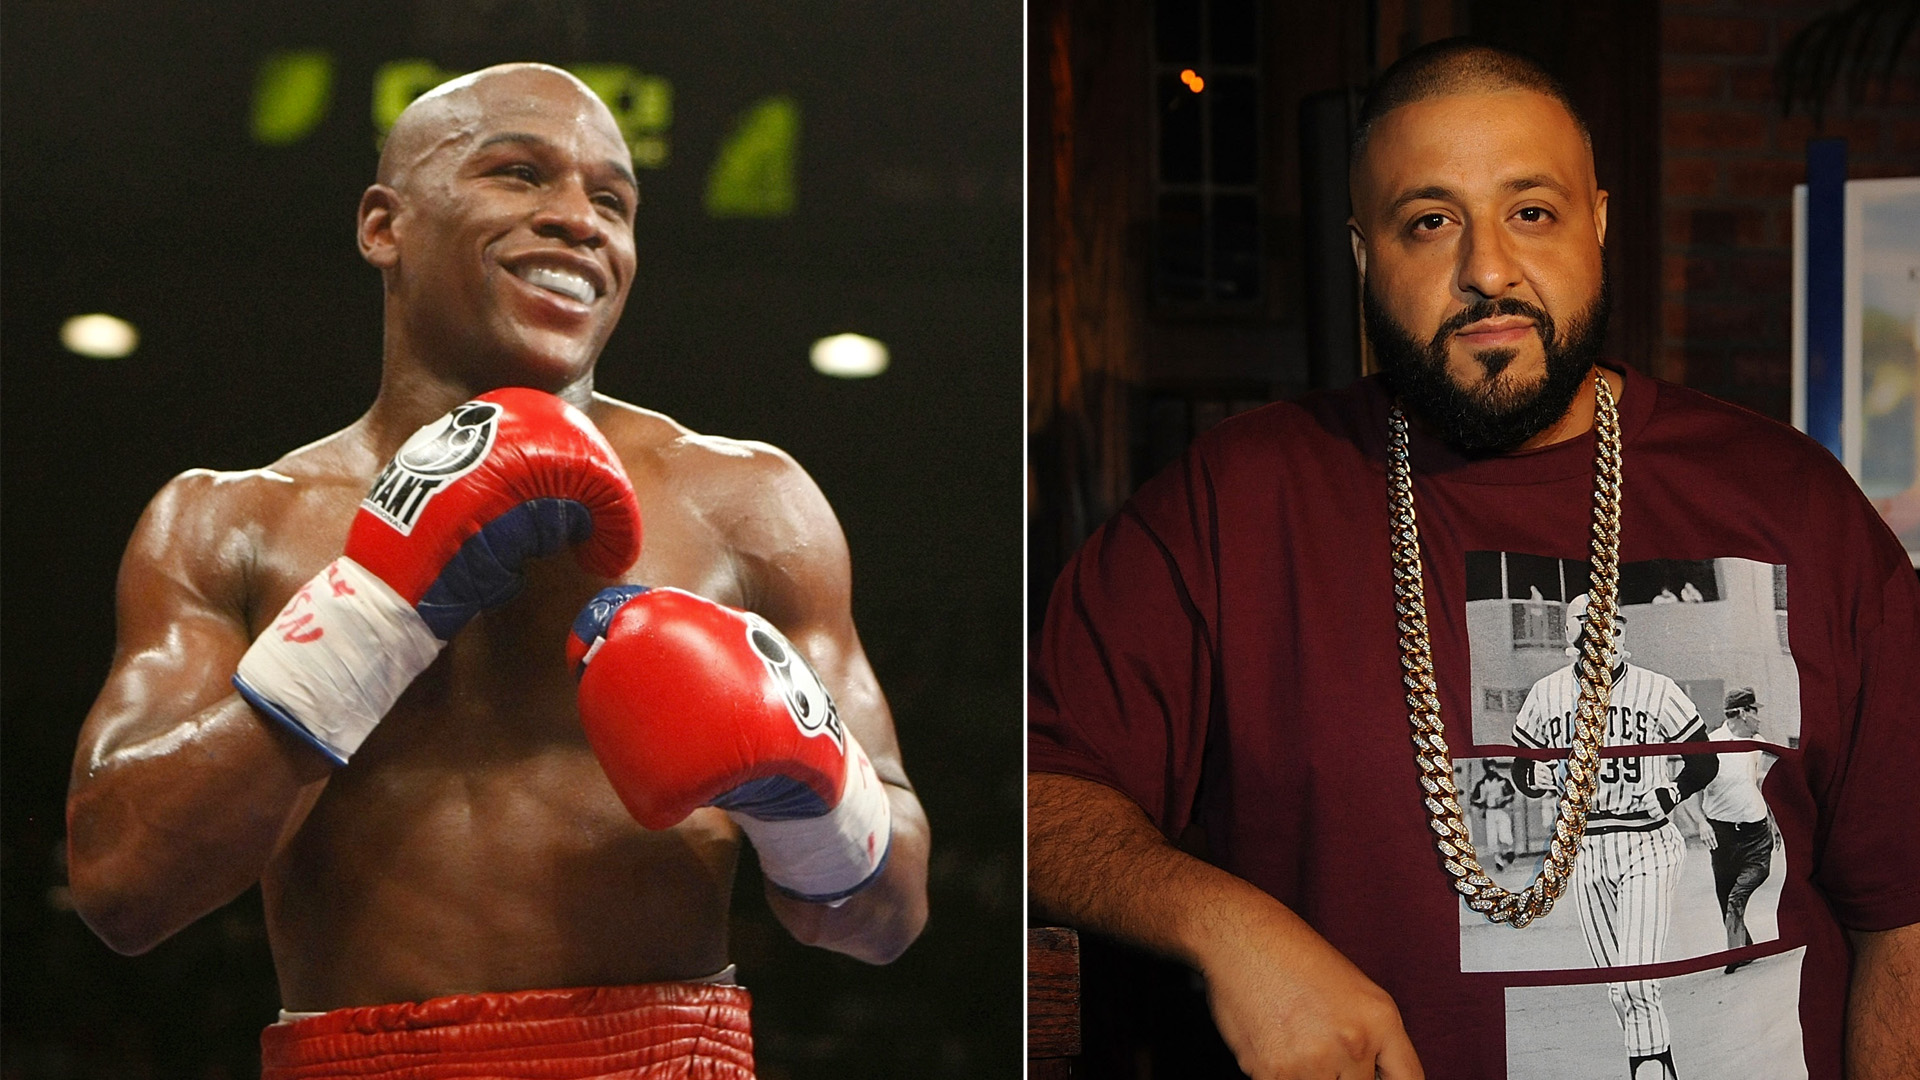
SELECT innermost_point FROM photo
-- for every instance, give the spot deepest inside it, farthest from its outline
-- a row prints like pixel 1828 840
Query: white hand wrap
pixel 336 658
pixel 828 858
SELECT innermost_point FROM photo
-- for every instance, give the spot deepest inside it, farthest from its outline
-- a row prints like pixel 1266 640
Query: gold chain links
pixel 1595 679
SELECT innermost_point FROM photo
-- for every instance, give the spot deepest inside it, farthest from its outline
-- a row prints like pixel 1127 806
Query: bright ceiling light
pixel 101 336
pixel 849 356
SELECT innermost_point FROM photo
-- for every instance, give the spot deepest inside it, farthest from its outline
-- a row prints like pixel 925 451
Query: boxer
pixel 494 812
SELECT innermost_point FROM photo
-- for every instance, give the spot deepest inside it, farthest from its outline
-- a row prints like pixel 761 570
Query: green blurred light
pixel 753 175
pixel 291 93
pixel 396 84
pixel 641 104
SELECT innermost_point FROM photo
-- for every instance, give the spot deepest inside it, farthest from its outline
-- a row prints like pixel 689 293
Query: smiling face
pixel 503 221
pixel 1477 229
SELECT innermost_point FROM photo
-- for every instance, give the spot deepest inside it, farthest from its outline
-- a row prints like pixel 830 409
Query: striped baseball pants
pixel 1624 884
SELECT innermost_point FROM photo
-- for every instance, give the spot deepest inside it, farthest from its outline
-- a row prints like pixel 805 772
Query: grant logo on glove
pixel 807 701
pixel 442 536
pixel 434 456
pixel 688 703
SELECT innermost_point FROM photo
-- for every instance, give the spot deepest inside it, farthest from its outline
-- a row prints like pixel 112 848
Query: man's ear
pixel 379 207
pixel 1600 216
pixel 1359 241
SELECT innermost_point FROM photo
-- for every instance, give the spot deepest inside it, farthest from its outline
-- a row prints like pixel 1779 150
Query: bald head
pixel 1456 66
pixel 502 224
pixel 452 112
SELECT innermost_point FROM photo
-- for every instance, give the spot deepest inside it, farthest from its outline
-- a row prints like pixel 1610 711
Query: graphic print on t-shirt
pixel 1700 654
pixel 1680 860
pixel 1642 893
pixel 1713 1026
pixel 1704 628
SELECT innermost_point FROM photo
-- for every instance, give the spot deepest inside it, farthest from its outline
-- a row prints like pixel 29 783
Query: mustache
pixel 1488 309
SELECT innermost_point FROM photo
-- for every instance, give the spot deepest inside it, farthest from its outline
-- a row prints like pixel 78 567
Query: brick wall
pixel 1729 163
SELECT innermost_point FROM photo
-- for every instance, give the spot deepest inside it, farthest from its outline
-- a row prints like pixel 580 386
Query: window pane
pixel 1527 573
pixel 1483 575
pixel 1180 267
pixel 1180 160
pixel 1236 129
pixel 1236 247
pixel 1234 32
pixel 1667 581
pixel 1177 31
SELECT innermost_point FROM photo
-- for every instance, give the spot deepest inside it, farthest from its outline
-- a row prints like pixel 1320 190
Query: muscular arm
pixel 180 792
pixel 1883 1005
pixel 798 577
pixel 1287 1003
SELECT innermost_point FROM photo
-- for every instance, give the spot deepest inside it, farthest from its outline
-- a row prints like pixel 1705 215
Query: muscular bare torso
pixel 474 843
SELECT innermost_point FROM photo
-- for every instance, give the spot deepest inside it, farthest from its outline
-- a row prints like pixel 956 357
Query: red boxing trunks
pixel 691 1030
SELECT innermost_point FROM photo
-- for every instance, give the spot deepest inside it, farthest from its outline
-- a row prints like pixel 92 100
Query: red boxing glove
pixel 511 475
pixel 688 703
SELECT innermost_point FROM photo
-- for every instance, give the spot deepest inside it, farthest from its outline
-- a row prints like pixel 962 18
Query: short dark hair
pixel 1456 66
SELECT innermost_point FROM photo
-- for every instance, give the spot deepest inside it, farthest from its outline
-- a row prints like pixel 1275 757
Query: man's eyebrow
pixel 1446 194
pixel 1431 191
pixel 621 170
pixel 1538 180
pixel 618 167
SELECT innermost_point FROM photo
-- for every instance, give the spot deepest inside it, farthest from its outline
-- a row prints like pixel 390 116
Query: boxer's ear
pixel 379 206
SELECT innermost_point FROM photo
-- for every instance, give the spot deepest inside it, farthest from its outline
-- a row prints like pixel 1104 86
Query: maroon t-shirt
pixel 1224 652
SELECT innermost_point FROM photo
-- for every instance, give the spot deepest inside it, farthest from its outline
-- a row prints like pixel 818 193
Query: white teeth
pixel 567 284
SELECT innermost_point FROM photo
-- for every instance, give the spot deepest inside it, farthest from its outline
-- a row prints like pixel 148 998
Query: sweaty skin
pixel 473 844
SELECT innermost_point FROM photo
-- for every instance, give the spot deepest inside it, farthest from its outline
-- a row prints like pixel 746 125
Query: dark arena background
pixel 808 169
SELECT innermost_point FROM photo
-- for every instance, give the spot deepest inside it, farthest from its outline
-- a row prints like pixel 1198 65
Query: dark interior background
pixel 1189 257
pixel 132 186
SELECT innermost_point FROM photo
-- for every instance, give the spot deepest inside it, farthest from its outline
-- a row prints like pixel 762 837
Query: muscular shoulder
pixel 202 503
pixel 755 497
pixel 208 529
pixel 746 484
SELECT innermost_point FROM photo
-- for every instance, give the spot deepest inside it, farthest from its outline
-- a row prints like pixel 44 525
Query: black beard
pixel 1487 419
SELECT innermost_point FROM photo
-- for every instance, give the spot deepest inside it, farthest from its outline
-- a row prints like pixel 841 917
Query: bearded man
pixel 1248 644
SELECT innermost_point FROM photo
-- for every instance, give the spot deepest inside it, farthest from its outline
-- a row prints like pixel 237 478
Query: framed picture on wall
pixel 1880 371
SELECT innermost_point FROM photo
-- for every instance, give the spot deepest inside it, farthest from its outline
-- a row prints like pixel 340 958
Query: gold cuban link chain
pixel 1595 677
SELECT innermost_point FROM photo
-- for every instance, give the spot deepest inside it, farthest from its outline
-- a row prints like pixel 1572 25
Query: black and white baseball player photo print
pixel 1704 628
pixel 1721 1029
pixel 1649 886
pixel 1675 891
